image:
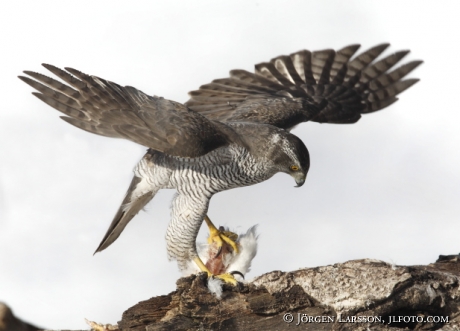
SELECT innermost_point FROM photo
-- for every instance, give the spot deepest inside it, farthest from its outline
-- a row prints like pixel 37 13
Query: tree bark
pixel 355 295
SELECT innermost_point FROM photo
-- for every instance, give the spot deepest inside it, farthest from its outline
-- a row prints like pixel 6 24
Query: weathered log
pixel 9 322
pixel 355 295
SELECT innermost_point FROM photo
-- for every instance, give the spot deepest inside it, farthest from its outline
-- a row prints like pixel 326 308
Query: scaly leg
pixel 218 236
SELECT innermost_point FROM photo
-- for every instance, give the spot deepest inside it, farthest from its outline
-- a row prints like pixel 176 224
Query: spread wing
pixel 108 109
pixel 324 86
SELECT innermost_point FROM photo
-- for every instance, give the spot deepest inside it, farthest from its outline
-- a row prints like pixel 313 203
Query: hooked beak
pixel 300 181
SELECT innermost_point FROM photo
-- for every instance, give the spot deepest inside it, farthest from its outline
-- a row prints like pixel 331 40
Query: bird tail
pixel 138 195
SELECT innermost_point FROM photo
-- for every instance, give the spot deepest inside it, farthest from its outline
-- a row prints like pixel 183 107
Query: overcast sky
pixel 385 188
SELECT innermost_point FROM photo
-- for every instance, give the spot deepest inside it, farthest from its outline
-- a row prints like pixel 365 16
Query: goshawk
pixel 232 132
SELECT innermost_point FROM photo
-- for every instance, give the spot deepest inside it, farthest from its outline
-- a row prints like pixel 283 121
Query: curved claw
pixel 236 273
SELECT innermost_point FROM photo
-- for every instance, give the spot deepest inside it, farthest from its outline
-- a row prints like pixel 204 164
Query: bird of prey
pixel 233 132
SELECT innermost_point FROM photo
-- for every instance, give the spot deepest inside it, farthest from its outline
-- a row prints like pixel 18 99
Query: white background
pixel 384 188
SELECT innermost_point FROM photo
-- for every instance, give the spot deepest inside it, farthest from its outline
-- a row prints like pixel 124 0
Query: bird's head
pixel 291 156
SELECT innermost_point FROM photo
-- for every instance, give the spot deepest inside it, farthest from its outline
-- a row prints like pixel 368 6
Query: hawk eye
pixel 294 168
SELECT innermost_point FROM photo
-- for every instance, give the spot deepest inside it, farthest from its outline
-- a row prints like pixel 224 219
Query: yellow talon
pixel 222 239
pixel 227 278
pixel 219 236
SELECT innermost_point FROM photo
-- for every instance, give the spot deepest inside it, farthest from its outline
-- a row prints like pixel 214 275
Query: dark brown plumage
pixel 108 109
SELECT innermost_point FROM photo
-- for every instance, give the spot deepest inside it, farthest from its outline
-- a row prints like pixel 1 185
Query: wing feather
pixel 324 86
pixel 285 67
pixel 322 64
pixel 302 63
pixel 130 206
pixel 102 107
